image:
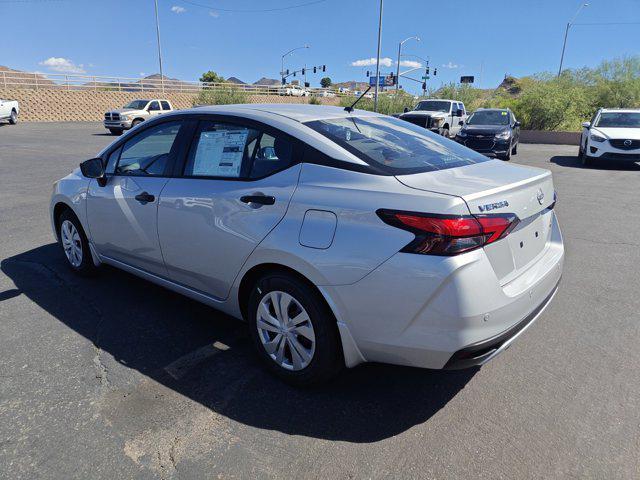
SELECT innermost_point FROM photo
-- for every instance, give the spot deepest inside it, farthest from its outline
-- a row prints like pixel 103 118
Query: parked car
pixel 133 113
pixel 324 93
pixel 494 132
pixel 339 237
pixel 612 134
pixel 294 91
pixel 9 110
pixel 440 116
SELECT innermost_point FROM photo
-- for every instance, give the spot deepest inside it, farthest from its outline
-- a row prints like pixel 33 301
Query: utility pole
pixel 159 47
pixel 375 95
pixel 566 34
pixel 399 54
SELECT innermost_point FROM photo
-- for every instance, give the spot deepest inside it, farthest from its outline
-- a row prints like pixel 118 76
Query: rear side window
pixel 225 150
pixel 393 146
pixel 165 105
pixel 154 106
pixel 149 152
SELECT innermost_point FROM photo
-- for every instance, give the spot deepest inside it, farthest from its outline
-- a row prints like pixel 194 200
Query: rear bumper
pixel 423 311
pixel 481 352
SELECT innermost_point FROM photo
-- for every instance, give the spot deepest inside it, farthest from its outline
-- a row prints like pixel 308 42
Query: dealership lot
pixel 113 377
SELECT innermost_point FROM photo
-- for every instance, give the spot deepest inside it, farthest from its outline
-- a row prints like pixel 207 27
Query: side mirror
pixel 461 123
pixel 459 113
pixel 586 124
pixel 406 109
pixel 93 168
pixel 516 124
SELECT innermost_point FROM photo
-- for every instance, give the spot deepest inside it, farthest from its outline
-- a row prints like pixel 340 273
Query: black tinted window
pixel 165 105
pixel 154 106
pixel 394 146
pixel 148 153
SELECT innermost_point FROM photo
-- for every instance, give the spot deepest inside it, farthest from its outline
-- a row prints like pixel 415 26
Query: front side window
pixel 149 152
pixel 434 106
pixel 395 147
pixel 225 150
pixel 154 106
pixel 489 117
pixel 619 120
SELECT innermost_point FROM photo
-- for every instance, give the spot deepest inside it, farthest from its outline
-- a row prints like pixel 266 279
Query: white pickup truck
pixel 9 110
pixel 133 113
pixel 441 116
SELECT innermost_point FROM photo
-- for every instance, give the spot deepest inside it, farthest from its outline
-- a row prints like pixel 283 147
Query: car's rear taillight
pixel 449 234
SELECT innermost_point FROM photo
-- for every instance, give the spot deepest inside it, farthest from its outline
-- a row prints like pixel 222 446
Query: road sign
pixel 426 77
pixel 383 81
pixel 467 79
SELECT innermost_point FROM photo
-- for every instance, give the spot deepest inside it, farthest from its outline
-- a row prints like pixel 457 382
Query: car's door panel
pixel 207 232
pixel 213 216
pixel 122 212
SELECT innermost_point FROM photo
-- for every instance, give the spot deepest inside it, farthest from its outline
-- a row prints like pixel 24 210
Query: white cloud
pixel 410 64
pixel 177 9
pixel 367 62
pixel 62 65
pixel 214 14
pixel 450 65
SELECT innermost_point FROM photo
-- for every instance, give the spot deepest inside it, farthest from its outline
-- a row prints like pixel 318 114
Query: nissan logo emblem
pixel 540 196
pixel 627 143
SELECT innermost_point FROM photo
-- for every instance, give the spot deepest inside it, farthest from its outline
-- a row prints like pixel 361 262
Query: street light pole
pixel 566 34
pixel 284 55
pixel 159 47
pixel 377 82
pixel 399 54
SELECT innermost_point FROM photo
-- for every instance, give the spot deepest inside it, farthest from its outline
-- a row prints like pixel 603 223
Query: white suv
pixel 612 134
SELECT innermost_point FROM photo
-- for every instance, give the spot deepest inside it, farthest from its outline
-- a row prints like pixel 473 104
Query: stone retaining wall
pixel 56 105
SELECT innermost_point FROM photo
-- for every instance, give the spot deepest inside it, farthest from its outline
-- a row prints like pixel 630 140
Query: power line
pixel 263 10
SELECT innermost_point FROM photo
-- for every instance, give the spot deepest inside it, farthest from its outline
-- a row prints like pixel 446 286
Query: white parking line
pixel 180 367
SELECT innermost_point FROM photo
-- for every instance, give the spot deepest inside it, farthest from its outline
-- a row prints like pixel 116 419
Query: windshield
pixel 489 117
pixel 137 104
pixel 619 120
pixel 434 106
pixel 393 146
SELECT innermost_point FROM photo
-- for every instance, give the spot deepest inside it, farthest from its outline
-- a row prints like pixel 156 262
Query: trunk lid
pixel 496 187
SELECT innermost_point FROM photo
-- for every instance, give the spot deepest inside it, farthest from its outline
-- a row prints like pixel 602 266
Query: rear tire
pixel 303 353
pixel 13 118
pixel 115 131
pixel 74 244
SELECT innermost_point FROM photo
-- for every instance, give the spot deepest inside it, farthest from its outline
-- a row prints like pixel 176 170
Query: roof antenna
pixel 350 109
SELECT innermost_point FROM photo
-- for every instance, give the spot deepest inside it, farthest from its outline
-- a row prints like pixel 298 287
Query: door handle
pixel 259 199
pixel 145 198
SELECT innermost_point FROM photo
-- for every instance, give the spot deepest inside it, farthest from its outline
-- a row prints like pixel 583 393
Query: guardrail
pixel 38 81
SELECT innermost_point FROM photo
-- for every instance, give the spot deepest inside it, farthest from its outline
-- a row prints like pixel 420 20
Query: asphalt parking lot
pixel 113 377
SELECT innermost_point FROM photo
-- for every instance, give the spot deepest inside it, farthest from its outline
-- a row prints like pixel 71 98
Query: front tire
pixel 13 118
pixel 115 131
pixel 445 132
pixel 293 330
pixel 136 122
pixel 74 244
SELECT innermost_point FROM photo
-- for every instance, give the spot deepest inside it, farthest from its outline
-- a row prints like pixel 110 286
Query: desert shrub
pixel 226 95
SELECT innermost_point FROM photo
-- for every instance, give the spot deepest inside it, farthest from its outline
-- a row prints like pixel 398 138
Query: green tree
pixel 211 77
pixel 325 82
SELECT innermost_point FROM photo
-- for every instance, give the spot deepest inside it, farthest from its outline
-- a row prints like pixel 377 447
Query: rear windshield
pixel 489 117
pixel 395 147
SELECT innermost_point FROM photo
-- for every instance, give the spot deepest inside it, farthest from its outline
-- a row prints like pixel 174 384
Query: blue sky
pixel 117 37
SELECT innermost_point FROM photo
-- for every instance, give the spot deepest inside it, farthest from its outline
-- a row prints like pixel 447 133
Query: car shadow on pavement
pixel 575 162
pixel 153 330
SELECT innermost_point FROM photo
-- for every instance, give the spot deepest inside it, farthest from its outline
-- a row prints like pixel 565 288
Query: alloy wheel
pixel 285 330
pixel 71 243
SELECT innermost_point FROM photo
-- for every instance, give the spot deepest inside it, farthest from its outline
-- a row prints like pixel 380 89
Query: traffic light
pixel 424 85
pixel 307 84
pixel 284 82
pixel 314 69
pixel 368 73
pixel 294 73
pixel 435 71
pixel 303 71
pixel 427 71
pixel 287 71
pixel 324 68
